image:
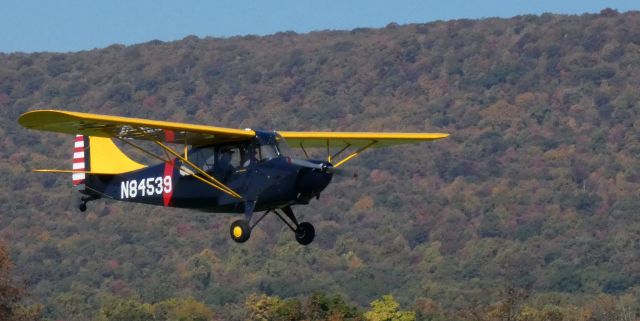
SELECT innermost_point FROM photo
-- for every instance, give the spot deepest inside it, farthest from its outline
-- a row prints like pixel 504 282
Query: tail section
pixel 106 158
pixel 98 155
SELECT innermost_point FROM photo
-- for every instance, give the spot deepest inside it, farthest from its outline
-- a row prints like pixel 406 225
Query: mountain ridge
pixel 535 190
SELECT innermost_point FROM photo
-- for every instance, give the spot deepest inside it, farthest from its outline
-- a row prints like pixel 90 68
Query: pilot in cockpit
pixel 223 167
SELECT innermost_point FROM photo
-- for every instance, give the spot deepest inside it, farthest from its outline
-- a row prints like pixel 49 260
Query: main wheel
pixel 240 231
pixel 305 233
pixel 82 207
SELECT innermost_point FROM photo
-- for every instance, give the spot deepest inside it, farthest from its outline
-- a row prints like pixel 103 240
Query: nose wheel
pixel 304 232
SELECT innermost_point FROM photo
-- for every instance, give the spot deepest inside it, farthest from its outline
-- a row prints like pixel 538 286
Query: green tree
pixel 182 309
pixel 324 307
pixel 386 309
pixel 115 309
pixel 262 307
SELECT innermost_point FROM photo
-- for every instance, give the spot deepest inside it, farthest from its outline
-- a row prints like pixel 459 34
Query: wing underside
pixel 355 139
pixel 130 128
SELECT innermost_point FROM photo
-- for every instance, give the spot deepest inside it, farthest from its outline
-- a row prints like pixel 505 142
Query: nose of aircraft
pixel 312 181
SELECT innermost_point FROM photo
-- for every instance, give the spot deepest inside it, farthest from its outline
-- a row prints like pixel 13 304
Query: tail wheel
pixel 305 233
pixel 240 231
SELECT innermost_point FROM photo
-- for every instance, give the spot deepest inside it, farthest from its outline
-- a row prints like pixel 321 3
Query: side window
pixel 235 157
pixel 203 157
pixel 248 155
pixel 220 160
pixel 229 156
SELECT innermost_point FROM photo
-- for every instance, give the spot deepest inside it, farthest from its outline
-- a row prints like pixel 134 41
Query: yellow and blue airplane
pixel 220 170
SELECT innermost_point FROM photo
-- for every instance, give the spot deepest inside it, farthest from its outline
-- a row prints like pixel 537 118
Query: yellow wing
pixel 361 141
pixel 355 139
pixel 190 134
pixel 129 128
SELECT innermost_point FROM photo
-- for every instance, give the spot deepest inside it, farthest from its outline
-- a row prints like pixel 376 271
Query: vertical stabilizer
pixel 106 158
pixel 98 155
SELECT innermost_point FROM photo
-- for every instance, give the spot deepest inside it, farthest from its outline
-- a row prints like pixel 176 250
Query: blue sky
pixel 72 25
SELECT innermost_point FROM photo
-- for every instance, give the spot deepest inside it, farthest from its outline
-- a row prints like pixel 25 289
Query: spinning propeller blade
pixel 323 166
pixel 309 164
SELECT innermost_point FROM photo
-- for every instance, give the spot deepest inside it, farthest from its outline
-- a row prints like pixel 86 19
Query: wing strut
pixel 340 152
pixel 207 179
pixel 142 149
pixel 304 150
pixel 354 154
pixel 210 179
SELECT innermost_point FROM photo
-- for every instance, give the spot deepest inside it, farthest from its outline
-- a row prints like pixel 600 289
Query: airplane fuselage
pixel 271 183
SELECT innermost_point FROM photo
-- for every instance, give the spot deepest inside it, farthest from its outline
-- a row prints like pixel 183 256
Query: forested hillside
pixel 529 211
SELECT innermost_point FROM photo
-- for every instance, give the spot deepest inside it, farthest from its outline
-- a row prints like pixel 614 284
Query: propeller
pixel 323 166
pixel 309 164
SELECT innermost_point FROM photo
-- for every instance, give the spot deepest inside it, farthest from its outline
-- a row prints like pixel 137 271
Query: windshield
pixel 283 147
pixel 267 152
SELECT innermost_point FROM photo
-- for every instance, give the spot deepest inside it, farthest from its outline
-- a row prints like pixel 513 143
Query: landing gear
pixel 84 200
pixel 240 231
pixel 304 232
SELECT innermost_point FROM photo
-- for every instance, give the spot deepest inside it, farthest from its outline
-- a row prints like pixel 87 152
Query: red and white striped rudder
pixel 79 162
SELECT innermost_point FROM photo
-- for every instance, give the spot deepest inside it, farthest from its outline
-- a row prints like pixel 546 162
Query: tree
pixel 262 307
pixel 386 309
pixel 10 295
pixel 125 310
pixel 323 307
pixel 183 309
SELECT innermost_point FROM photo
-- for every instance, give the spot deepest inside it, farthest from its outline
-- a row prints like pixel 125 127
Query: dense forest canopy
pixel 529 209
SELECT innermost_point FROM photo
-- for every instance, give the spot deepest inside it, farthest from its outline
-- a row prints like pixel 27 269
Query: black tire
pixel 82 207
pixel 305 233
pixel 240 231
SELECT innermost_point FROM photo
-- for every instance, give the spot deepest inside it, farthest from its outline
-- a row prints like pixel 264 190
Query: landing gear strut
pixel 304 232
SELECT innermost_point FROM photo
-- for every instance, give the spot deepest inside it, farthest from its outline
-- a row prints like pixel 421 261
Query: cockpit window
pixel 203 157
pixel 230 155
pixel 219 161
pixel 267 152
pixel 283 147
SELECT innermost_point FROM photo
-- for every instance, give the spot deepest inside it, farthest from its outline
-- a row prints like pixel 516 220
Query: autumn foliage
pixel 529 211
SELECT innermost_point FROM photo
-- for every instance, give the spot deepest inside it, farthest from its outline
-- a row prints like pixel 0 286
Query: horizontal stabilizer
pixel 63 171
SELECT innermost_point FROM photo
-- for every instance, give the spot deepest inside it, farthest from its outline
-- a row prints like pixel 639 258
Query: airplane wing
pixel 189 134
pixel 129 128
pixel 355 139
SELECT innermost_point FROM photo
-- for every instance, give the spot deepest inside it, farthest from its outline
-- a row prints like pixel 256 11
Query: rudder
pixel 80 162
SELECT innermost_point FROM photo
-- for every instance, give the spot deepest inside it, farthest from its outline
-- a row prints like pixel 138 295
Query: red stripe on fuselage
pixel 168 171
